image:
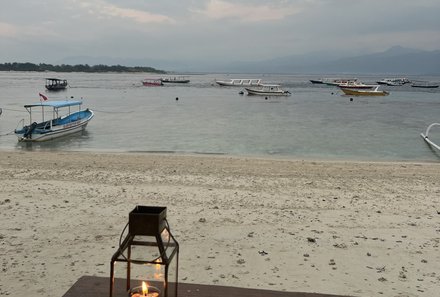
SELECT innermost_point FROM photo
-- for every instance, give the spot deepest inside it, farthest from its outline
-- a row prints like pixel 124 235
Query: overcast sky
pixel 50 30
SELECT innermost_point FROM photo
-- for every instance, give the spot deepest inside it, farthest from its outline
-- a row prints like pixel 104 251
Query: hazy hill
pixel 396 60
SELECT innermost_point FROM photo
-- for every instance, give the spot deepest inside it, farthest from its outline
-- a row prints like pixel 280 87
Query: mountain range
pixel 395 60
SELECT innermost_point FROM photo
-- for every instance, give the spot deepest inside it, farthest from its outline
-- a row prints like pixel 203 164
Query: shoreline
pixel 375 225
pixel 225 155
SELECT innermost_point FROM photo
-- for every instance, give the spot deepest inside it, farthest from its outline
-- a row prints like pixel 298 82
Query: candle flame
pixel 144 289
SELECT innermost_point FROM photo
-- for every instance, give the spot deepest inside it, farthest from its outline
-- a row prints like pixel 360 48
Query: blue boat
pixel 65 120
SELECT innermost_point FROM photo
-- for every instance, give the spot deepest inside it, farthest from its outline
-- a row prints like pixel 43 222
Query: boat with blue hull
pixel 65 120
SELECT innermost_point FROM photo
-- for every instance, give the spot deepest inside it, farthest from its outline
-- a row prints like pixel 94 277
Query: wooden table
pixel 88 286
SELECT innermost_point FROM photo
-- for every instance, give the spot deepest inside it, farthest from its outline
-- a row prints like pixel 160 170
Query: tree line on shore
pixel 74 68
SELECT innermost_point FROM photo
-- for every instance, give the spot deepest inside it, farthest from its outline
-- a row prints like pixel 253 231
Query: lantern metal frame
pixel 147 221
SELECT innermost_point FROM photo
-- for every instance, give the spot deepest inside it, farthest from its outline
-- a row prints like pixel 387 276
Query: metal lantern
pixel 149 248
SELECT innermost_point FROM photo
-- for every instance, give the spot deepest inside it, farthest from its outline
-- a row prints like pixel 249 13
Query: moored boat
pixel 355 85
pixel 239 82
pixel 393 81
pixel 152 82
pixel 364 92
pixel 55 84
pixel 338 81
pixel 63 122
pixel 175 80
pixel 268 90
pixel 424 84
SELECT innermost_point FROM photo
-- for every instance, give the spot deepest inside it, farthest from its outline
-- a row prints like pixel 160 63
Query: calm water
pixel 316 122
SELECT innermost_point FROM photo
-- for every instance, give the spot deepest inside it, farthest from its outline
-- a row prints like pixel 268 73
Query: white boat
pixel 393 81
pixel 337 81
pixel 239 82
pixel 355 85
pixel 426 138
pixel 63 121
pixel 267 90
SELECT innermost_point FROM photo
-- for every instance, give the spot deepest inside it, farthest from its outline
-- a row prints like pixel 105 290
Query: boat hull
pixel 56 88
pixel 57 130
pixel 175 81
pixel 152 84
pixel 266 93
pixel 364 92
pixel 425 86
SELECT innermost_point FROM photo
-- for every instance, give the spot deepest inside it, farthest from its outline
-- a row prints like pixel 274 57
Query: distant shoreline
pixel 42 67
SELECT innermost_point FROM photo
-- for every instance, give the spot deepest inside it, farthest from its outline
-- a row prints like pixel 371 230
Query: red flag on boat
pixel 42 97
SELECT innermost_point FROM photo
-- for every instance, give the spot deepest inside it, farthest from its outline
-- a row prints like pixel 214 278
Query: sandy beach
pixel 350 228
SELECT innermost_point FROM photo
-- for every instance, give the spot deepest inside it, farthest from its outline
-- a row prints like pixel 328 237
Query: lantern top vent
pixel 147 220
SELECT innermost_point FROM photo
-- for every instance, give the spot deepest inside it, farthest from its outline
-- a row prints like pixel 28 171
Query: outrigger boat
pixel 268 90
pixel 239 82
pixel 63 121
pixel 363 92
pixel 426 138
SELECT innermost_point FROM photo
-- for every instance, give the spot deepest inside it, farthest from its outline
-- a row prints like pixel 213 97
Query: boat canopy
pixel 55 104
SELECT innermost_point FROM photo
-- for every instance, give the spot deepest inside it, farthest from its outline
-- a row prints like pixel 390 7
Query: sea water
pixel 315 122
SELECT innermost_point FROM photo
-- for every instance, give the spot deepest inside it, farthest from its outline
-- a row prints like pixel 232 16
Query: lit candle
pixel 145 291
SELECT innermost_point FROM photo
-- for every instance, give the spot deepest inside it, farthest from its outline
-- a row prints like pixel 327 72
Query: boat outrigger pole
pixel 425 136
